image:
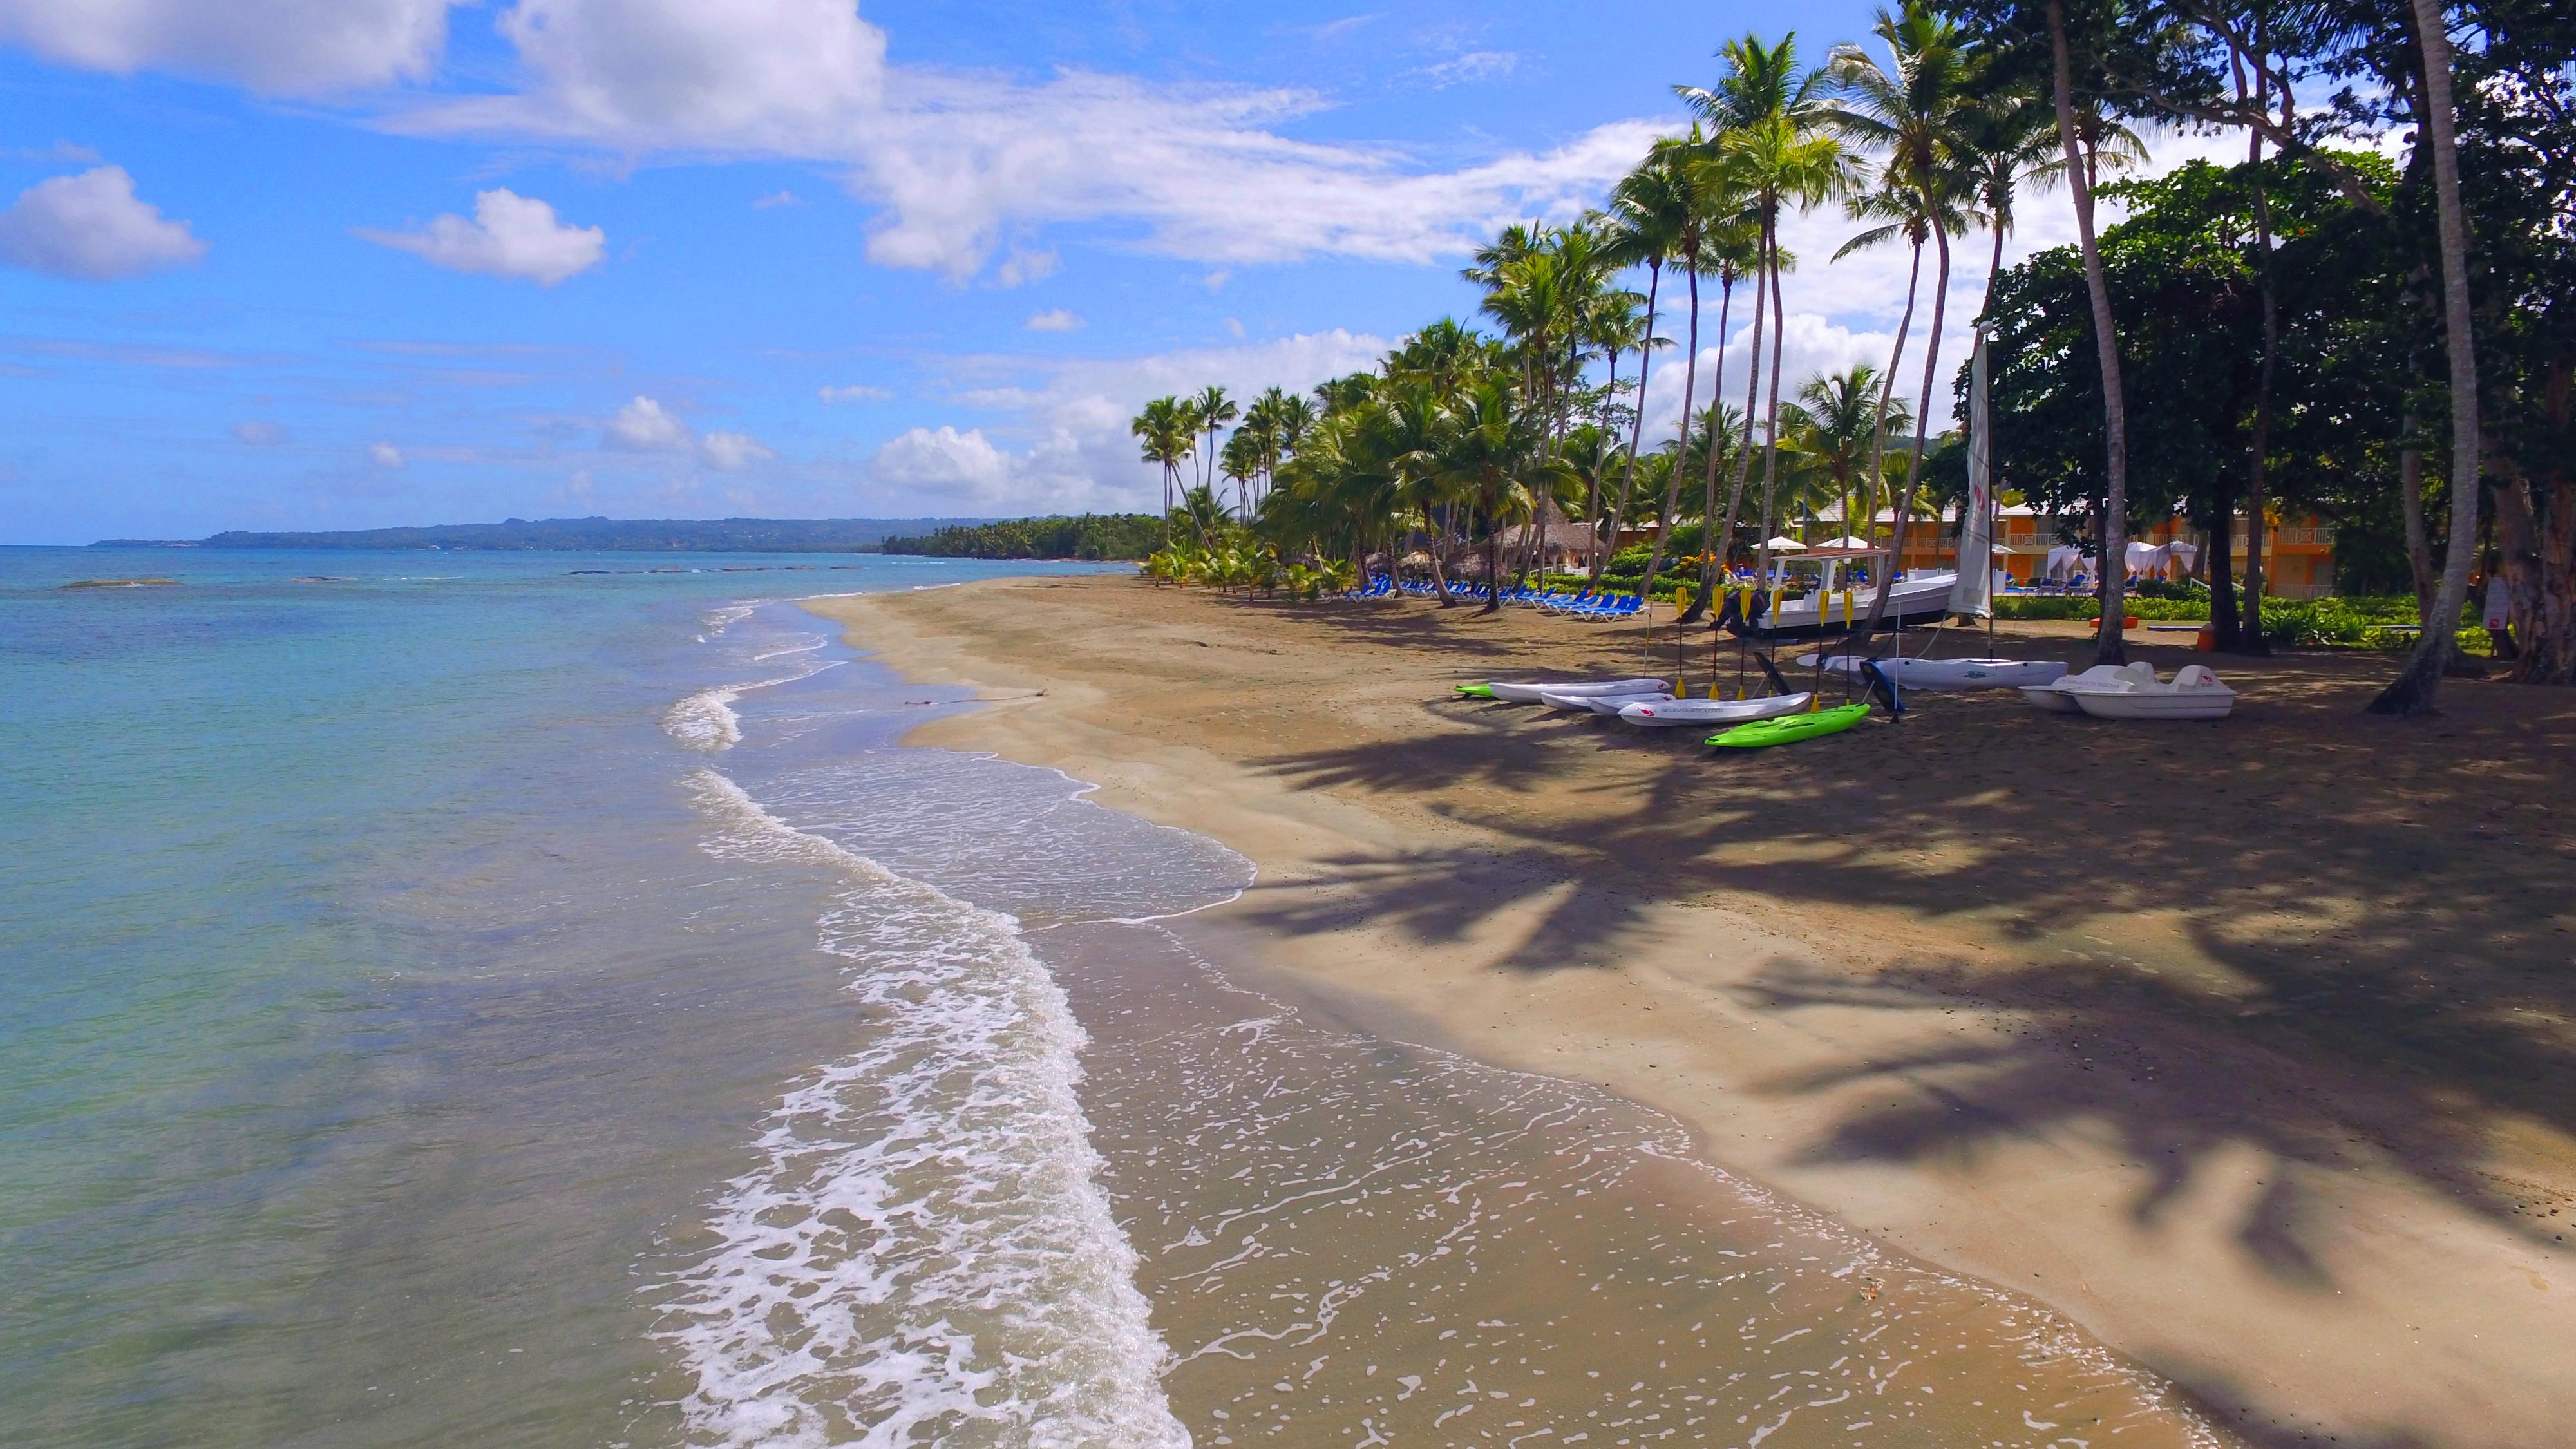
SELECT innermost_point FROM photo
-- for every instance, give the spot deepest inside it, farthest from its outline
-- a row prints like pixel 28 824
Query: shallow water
pixel 478 1004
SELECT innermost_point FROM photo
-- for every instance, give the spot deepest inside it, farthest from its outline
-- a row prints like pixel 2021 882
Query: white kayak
pixel 2194 693
pixel 1527 691
pixel 1666 713
pixel 1952 673
pixel 2058 697
pixel 1598 703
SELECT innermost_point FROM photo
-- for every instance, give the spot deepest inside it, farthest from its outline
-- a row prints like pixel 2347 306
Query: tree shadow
pixel 2324 937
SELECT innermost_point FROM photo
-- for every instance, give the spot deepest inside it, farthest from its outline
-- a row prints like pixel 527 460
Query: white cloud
pixel 260 433
pixel 385 456
pixel 92 228
pixel 776 199
pixel 960 162
pixel 1023 266
pixel 1475 65
pixel 645 426
pixel 510 236
pixel 777 76
pixel 733 452
pixel 276 46
pixel 856 392
pixel 1054 320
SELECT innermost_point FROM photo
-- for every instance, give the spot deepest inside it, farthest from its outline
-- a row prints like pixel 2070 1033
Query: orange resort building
pixel 2298 551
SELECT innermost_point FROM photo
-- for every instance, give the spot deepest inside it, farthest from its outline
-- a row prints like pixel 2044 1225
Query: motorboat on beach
pixel 2058 696
pixel 1527 691
pixel 1826 603
pixel 1668 713
pixel 1950 673
pixel 2193 693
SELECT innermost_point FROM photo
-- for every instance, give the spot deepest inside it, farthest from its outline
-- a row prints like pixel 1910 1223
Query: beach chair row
pixel 1585 604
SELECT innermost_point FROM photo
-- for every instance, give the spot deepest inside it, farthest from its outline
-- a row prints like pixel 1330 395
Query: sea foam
pixel 922 1254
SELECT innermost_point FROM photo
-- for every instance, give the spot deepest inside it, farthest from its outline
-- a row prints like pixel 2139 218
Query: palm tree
pixel 1616 324
pixel 2414 690
pixel 1646 215
pixel 1899 210
pixel 1732 250
pixel 1213 410
pixel 1689 192
pixel 1839 429
pixel 2109 646
pixel 1492 447
pixel 1920 113
pixel 1167 435
pixel 1782 159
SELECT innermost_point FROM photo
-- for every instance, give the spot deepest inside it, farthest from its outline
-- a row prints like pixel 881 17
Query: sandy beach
pixel 2248 1047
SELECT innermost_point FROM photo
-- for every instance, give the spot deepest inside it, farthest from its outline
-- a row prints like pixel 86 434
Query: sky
pixel 323 264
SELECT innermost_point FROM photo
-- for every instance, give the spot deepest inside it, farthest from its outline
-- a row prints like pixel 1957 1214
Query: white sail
pixel 1973 594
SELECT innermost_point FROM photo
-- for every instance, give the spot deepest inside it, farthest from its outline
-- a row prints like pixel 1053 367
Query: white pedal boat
pixel 1952 673
pixel 2193 693
pixel 2058 697
pixel 1667 713
pixel 1527 691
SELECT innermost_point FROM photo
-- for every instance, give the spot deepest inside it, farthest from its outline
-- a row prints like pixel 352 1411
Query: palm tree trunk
pixel 1752 394
pixel 1628 479
pixel 2110 645
pixel 2257 525
pixel 1771 405
pixel 1439 575
pixel 2410 510
pixel 1712 544
pixel 1673 485
pixel 1592 489
pixel 2415 690
pixel 1922 431
pixel 1887 388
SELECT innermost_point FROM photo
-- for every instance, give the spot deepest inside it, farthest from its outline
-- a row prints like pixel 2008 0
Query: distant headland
pixel 608 535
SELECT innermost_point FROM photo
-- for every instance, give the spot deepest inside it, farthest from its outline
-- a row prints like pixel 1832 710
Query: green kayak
pixel 1475 691
pixel 1791 727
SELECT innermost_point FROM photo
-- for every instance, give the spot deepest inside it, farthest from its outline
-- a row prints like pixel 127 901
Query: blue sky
pixel 344 263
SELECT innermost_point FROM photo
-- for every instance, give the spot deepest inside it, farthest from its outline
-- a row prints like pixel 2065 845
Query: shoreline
pixel 1863 1031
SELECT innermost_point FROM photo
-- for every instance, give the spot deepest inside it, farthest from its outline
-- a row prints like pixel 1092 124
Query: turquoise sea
pixel 506 1000
pixel 368 1014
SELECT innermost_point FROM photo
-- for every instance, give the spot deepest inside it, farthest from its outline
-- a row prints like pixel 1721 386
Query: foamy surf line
pixel 923 1253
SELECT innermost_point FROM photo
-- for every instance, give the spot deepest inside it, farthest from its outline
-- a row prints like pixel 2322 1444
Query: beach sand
pixel 2250 1047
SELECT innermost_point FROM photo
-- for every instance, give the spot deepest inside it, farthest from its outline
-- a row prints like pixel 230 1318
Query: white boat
pixel 2059 697
pixel 2193 693
pixel 1601 703
pixel 1952 673
pixel 1527 691
pixel 1667 713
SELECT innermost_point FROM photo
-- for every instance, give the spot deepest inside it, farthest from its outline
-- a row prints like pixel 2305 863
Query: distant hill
pixel 604 535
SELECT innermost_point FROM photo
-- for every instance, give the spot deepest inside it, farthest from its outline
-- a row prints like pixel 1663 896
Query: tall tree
pixel 1920 110
pixel 1211 410
pixel 1166 435
pixel 1648 217
pixel 2417 687
pixel 1774 151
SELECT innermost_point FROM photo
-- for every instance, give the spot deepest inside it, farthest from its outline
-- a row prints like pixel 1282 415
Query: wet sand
pixel 2247 1047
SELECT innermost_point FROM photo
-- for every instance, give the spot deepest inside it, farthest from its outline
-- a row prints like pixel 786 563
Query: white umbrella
pixel 1785 544
pixel 1846 541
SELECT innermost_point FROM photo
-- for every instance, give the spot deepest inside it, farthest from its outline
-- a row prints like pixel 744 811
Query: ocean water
pixel 462 1000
